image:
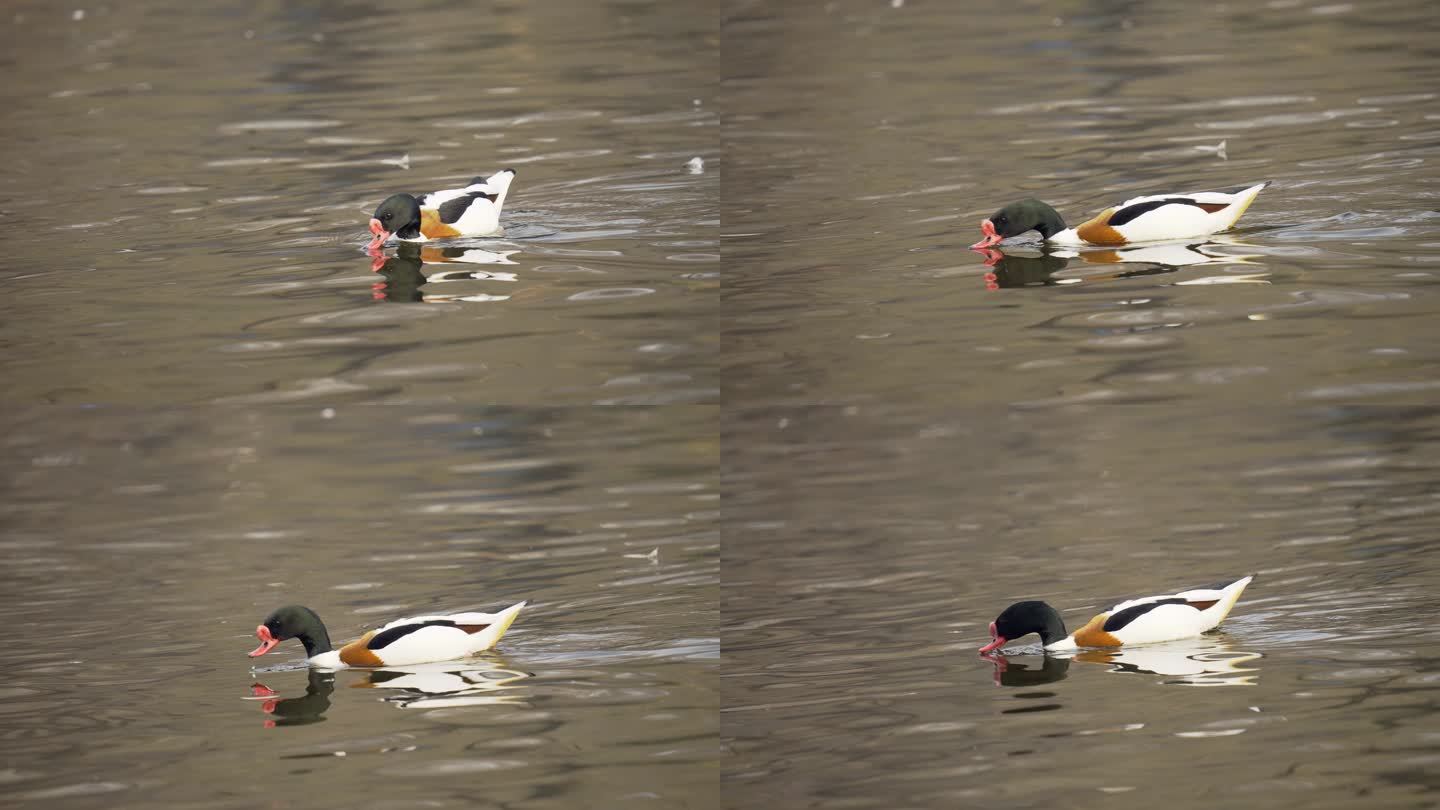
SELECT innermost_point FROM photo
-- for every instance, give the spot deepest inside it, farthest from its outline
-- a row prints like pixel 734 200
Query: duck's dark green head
pixel 1020 217
pixel 292 621
pixel 1022 619
pixel 398 214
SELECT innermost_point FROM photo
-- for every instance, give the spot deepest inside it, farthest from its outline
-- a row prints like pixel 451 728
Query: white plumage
pixel 1179 216
pixel 1146 620
pixel 482 216
pixel 445 642
pixel 1167 622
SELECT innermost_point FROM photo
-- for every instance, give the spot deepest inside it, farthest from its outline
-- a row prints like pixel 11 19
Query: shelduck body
pixel 1146 620
pixel 403 642
pixel 1152 218
pixel 470 211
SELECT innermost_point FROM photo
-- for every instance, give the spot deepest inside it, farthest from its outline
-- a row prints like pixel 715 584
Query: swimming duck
pixel 417 640
pixel 1139 219
pixel 470 211
pixel 1138 621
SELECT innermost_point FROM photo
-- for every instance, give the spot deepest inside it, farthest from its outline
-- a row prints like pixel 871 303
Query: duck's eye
pixel 385 218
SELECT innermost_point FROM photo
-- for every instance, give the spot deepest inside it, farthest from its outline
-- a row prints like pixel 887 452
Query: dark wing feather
pixel 1131 212
pixel 452 210
pixel 1120 618
pixel 385 638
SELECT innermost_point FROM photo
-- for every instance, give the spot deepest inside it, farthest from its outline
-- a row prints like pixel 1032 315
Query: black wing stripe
pixel 452 210
pixel 1130 212
pixel 1120 618
pixel 385 638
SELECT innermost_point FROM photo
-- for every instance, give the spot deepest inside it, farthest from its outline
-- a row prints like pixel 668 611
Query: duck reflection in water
pixel 445 685
pixel 297 711
pixel 1203 662
pixel 422 686
pixel 1041 265
pixel 1051 668
pixel 402 275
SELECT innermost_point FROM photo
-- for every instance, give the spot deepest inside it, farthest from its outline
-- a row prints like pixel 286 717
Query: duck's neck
pixel 1054 628
pixel 315 645
pixel 411 229
pixel 314 636
pixel 1050 224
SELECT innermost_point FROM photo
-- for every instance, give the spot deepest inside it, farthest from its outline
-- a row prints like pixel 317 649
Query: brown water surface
pixel 214 407
pixel 914 440
pixel 187 196
pixel 216 404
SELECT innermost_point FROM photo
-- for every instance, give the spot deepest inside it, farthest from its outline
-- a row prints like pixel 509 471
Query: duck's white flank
pixel 1163 622
pixel 437 642
pixel 1184 218
pixel 327 660
pixel 482 216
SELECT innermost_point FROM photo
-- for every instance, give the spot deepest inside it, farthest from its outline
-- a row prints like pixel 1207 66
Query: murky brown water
pixel 912 445
pixel 215 404
pixel 204 181
pixel 129 682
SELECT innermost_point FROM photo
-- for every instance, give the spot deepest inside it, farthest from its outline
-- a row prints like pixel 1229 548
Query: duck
pixel 1155 218
pixel 1146 620
pixel 470 211
pixel 416 640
